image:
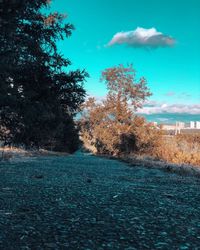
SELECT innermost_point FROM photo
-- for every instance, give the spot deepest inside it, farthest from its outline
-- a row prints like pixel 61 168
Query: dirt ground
pixel 87 202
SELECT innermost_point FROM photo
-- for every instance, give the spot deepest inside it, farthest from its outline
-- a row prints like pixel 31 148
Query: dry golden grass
pixel 11 153
pixel 8 153
pixel 180 149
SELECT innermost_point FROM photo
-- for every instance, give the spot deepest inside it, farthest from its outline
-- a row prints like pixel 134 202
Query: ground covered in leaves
pixel 87 202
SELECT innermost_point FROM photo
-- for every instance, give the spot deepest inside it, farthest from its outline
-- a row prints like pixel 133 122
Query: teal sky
pixel 173 73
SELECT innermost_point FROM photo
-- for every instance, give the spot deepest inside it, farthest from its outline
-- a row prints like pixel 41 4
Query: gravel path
pixel 86 202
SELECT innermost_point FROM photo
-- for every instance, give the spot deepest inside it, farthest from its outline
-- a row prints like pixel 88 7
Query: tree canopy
pixel 111 125
pixel 122 83
pixel 38 96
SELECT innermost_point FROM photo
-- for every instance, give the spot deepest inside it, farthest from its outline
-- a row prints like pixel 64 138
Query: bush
pixel 180 149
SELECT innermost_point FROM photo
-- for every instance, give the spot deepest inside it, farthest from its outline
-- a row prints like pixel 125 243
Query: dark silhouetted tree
pixel 38 98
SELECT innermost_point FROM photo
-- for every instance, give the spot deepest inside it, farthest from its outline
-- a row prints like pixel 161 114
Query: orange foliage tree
pixel 111 126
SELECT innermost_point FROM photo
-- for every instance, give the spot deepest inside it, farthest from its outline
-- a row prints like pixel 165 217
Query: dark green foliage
pixel 38 99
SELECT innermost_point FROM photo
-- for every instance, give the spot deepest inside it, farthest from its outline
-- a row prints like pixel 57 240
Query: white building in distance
pixel 197 125
pixel 180 126
pixel 192 124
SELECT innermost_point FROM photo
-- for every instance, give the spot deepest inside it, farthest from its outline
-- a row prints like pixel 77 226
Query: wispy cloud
pixel 178 95
pixel 158 108
pixel 142 38
pixel 184 95
pixel 170 93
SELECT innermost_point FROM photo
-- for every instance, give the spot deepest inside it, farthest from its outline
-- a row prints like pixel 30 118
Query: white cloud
pixel 144 38
pixel 170 109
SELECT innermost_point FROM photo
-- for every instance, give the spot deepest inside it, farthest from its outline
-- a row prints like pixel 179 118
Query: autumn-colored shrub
pixel 147 137
pixel 102 134
pixel 111 126
pixel 189 138
pixel 180 149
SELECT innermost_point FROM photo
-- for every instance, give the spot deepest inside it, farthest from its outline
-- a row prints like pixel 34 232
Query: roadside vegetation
pixel 111 126
pixel 179 149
